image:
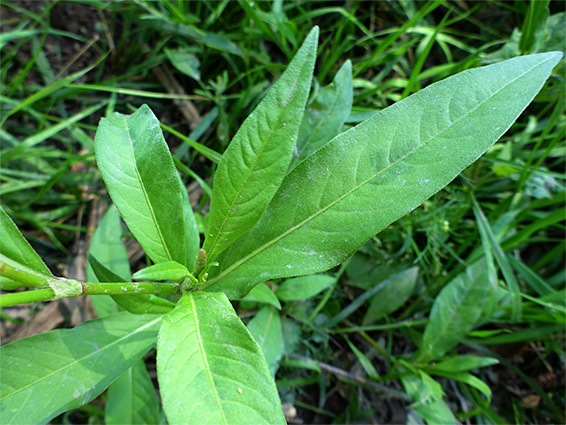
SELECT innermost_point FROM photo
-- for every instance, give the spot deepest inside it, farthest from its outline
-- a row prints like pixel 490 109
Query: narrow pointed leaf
pixel 341 195
pixel 132 399
pixel 326 114
pixel 107 246
pixel 463 363
pixel 392 296
pixel 265 327
pixel 136 166
pixel 257 159
pixel 15 247
pixel 210 368
pixel 455 312
pixel 47 374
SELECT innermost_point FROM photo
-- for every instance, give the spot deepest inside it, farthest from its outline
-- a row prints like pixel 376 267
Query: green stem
pixel 89 288
pixel 121 288
pixel 15 298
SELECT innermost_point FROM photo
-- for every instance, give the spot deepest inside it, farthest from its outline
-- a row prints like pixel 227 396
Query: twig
pixel 391 393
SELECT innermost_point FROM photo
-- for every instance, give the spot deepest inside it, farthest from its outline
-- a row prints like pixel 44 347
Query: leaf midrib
pixel 72 364
pixel 262 248
pixel 205 360
pixel 145 195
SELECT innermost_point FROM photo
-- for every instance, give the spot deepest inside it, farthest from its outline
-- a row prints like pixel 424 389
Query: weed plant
pixel 455 312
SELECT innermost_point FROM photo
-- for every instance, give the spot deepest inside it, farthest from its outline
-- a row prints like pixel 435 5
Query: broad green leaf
pixel 15 247
pixel 131 399
pixel 106 245
pixel 210 368
pixel 464 363
pixel 47 374
pixel 426 401
pixel 373 174
pixel 257 159
pixel 263 294
pixel 192 235
pixel 326 114
pixel 392 296
pixel 169 270
pixel 265 327
pixel 136 166
pixel 134 303
pixel 184 61
pixel 455 312
pixel 303 287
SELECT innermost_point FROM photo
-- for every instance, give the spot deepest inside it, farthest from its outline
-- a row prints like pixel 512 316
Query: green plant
pixel 270 217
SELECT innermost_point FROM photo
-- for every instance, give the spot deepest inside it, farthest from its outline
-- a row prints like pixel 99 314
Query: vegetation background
pixel 202 66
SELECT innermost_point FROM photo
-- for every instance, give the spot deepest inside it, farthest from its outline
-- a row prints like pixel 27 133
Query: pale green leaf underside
pixel 136 165
pixel 132 399
pixel 15 246
pixel 211 371
pixel 373 174
pixel 47 374
pixel 257 159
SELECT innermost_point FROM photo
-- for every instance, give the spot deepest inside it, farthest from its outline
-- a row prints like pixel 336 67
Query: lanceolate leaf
pixel 15 247
pixel 373 174
pixel 47 374
pixel 257 159
pixel 326 114
pixel 210 368
pixel 131 398
pixel 136 165
pixel 455 311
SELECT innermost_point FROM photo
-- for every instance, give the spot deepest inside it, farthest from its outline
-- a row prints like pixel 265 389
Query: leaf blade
pixel 68 355
pixel 136 166
pixel 132 398
pixel 211 369
pixel 257 159
pixel 340 196
pixel 326 114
